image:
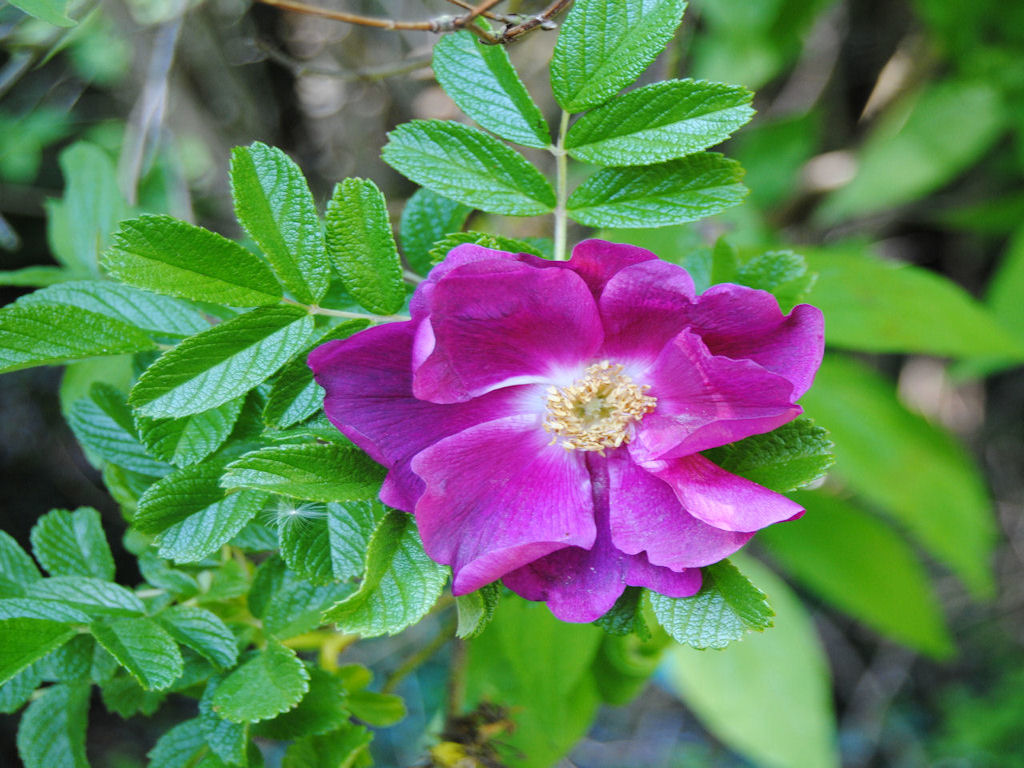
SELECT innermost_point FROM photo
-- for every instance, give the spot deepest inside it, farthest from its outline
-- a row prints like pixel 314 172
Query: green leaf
pixel 426 218
pixel 95 597
pixel 271 682
pixel 73 544
pixel 168 256
pixel 362 248
pixel 551 710
pixel 913 470
pixel 203 632
pixel 625 662
pixel 123 694
pixel 36 277
pixel 626 616
pixel 483 83
pixel 905 158
pixel 1006 285
pixel 179 747
pixel 274 204
pixel 16 691
pixel 294 395
pixel 321 710
pixel 204 532
pixel 225 362
pixel 350 525
pixel 228 740
pixel 848 557
pixel 79 225
pixel 659 122
pixel 24 641
pixel 787 458
pixel 103 424
pixel 726 608
pixel 48 610
pixel 144 648
pixel 604 45
pixel 317 472
pixel 45 334
pixel 658 195
pixel 444 246
pixel 190 439
pixel 476 610
pixel 52 730
pixel 377 709
pixel 51 11
pixel 338 749
pixel 305 543
pixel 468 166
pixel 182 493
pixel 754 697
pixel 782 273
pixel 866 302
pixel 16 566
pixel 289 605
pixel 401 583
pixel 146 311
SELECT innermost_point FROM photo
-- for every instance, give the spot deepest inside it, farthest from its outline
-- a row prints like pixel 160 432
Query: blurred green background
pixel 888 150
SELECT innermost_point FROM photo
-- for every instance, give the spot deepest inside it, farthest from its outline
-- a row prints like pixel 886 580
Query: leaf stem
pixel 561 187
pixel 421 656
pixel 315 310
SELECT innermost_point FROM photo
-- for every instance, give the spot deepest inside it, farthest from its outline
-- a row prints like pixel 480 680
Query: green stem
pixel 561 187
pixel 417 659
pixel 314 310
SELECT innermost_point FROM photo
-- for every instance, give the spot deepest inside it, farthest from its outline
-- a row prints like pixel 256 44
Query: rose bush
pixel 544 420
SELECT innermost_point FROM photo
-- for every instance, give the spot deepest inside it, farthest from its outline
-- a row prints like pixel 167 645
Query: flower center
pixel 597 410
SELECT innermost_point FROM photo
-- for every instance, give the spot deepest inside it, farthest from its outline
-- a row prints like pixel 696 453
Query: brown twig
pixel 543 20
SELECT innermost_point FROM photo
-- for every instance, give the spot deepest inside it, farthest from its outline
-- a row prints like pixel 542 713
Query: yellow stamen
pixel 597 410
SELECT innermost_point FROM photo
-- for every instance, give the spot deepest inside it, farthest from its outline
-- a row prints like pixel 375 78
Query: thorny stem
pixel 561 187
pixel 418 658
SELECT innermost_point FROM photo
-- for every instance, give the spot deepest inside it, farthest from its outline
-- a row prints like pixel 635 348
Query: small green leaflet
pixel 144 648
pixel 341 748
pixel 496 242
pixel 228 740
pixel 400 586
pixel 362 248
pixel 203 632
pixel 321 710
pixel 49 610
pixel 45 334
pixel 15 564
pixel 468 166
pixel 52 730
pixel 659 122
pixel 210 368
pixel 95 597
pixel 271 682
pixel 782 273
pixel 123 694
pixel 102 423
pixel 483 83
pixel 726 608
pixel 426 218
pixel 787 458
pixel 146 311
pixel 73 544
pixel 16 691
pixel 350 524
pixel 476 610
pixel 204 532
pixel 658 195
pixel 164 255
pixel 26 640
pixel 178 747
pixel 274 204
pixel 51 11
pixel 178 495
pixel 626 616
pixel 287 604
pixel 604 45
pixel 378 709
pixel 191 439
pixel 316 472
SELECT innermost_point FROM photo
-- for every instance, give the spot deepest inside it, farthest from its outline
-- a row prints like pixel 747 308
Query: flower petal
pixel 499 496
pixel 368 380
pixel 643 308
pixel 705 401
pixel 498 322
pixel 583 584
pixel 646 516
pixel 597 261
pixel 722 499
pixel 743 323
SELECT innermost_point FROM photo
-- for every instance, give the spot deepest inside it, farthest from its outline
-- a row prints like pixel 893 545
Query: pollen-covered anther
pixel 598 410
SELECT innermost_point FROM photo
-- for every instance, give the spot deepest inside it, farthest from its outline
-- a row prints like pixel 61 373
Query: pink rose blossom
pixel 544 420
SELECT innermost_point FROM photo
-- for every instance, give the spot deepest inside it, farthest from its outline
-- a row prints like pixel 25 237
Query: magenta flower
pixel 544 420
